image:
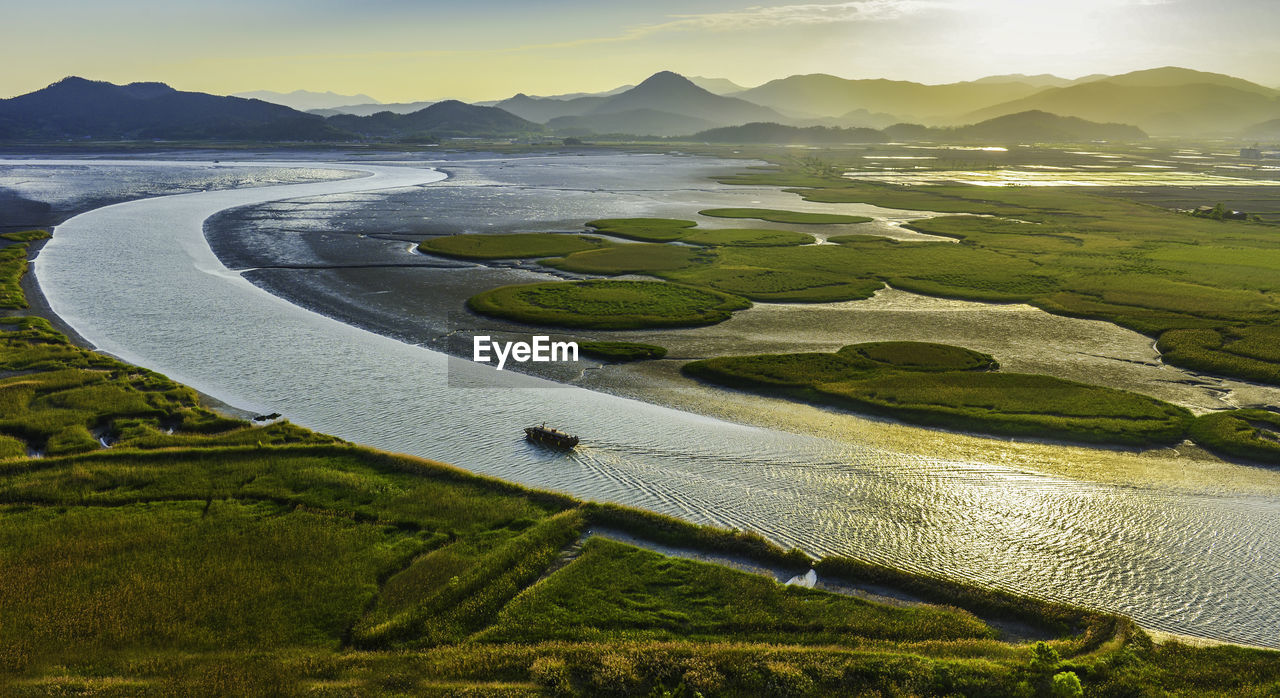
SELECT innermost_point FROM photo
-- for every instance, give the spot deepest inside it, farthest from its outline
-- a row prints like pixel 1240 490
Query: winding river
pixel 139 281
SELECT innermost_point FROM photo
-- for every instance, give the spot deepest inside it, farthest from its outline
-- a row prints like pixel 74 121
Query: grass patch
pixel 622 351
pixel 618 592
pixel 183 576
pixel 921 356
pixel 511 246
pixel 1251 434
pixel 1248 352
pixel 644 229
pixel 635 258
pixel 13 264
pixel 613 305
pixel 26 235
pixel 952 387
pixel 746 237
pixel 777 216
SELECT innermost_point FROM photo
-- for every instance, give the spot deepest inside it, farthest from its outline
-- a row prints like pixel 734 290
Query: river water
pixel 139 280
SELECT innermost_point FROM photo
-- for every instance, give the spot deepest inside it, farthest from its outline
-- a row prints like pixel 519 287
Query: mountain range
pixel 1160 102
pixel 305 100
pixel 79 108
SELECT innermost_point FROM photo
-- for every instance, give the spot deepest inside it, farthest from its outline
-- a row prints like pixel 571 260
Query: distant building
pixel 1250 153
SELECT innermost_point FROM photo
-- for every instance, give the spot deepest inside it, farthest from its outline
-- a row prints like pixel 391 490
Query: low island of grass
pixel 632 258
pixel 643 229
pixel 607 304
pixel 622 351
pixel 509 246
pixel 746 237
pixel 953 387
pixel 1251 434
pixel 778 216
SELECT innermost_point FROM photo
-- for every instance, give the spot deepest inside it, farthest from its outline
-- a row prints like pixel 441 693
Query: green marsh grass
pixel 777 216
pixel 13 264
pixel 746 237
pixel 622 351
pixel 1251 433
pixel 26 235
pixel 618 592
pixel 602 304
pixel 643 229
pixel 953 387
pixel 514 245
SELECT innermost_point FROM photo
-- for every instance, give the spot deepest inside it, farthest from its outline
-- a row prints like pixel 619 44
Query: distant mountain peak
pixel 667 79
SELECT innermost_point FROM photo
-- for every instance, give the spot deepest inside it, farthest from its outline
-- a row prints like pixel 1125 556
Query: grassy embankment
pixel 200 555
pixel 942 385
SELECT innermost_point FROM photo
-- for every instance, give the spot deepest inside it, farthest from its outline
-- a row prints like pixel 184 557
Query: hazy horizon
pixel 399 51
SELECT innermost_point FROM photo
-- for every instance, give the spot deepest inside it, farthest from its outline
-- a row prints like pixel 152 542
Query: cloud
pixel 763 16
pixel 809 13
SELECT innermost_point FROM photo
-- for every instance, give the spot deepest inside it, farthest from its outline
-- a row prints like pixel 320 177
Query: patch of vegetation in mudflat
pixel 1249 352
pixel 622 351
pixel 607 304
pixel 13 264
pixel 1251 434
pixel 1075 253
pixel 644 229
pixel 952 387
pixel 778 216
pixel 635 258
pixel 26 235
pixel 746 237
pixel 510 246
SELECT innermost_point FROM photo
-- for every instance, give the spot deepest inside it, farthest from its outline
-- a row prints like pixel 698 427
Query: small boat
pixel 551 437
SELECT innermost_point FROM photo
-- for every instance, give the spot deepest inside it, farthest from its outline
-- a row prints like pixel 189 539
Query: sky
pixel 408 50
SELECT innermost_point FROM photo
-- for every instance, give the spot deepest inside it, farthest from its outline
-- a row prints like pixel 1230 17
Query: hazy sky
pixel 404 50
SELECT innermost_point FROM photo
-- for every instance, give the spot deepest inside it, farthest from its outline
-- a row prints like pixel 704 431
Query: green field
pixel 514 245
pixel 201 555
pixel 776 216
pixel 607 305
pixel 941 385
